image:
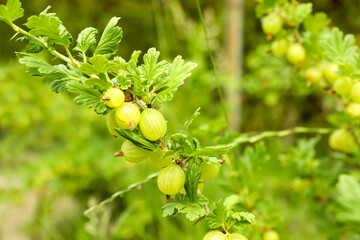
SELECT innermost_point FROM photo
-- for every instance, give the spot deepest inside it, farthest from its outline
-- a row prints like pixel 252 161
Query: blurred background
pixel 56 157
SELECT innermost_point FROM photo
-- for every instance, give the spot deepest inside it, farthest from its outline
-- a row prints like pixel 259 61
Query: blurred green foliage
pixel 56 157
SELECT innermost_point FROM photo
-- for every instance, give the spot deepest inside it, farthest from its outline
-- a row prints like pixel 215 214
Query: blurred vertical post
pixel 234 60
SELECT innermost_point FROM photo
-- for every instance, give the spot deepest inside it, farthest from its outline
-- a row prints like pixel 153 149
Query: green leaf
pixel 217 218
pixel 317 22
pixel 86 39
pixel 212 151
pixel 193 176
pixel 296 13
pixel 192 118
pixel 177 72
pixel 242 217
pixel 34 47
pixel 110 38
pixel 87 96
pixel 341 119
pixel 338 48
pixel 133 137
pixel 184 143
pixel 51 27
pixel 60 85
pixel 348 197
pixel 100 82
pixel 97 64
pixel 11 11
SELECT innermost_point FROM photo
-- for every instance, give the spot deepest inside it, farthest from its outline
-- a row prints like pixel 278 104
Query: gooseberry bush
pixel 130 95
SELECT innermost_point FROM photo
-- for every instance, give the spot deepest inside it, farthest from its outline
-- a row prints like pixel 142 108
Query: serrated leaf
pixel 340 48
pixel 169 209
pixel 59 86
pixel 242 217
pixel 96 65
pixel 217 218
pixel 187 144
pixel 136 139
pixel 87 96
pixel 296 13
pixel 11 11
pixel 192 178
pixel 51 27
pixel 100 83
pixel 86 39
pixel 193 211
pixel 317 22
pixel 34 47
pixel 348 197
pixel 110 38
pixel 177 72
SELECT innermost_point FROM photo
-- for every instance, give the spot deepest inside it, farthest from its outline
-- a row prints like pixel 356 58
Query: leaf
pixel 136 139
pixel 212 151
pixel 193 176
pixel 340 119
pixel 87 96
pixel 86 39
pixel 242 217
pixel 177 72
pixel 50 26
pixel 98 64
pixel 11 11
pixel 100 82
pixel 348 197
pixel 59 86
pixel 296 13
pixel 184 143
pixel 110 38
pixel 217 218
pixel 34 47
pixel 317 22
pixel 192 118
pixel 338 48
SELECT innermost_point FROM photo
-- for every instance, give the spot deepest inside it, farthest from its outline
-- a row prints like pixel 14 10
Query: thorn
pixel 13 36
pixel 118 154
pixel 178 160
pixel 222 160
pixel 167 200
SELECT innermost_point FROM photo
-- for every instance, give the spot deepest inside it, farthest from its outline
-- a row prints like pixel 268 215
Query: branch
pixel 120 193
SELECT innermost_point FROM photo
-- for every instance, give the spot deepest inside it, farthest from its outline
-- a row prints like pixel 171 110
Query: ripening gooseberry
pixel 279 47
pixel 127 116
pixel 353 109
pixel 313 75
pixel 171 179
pixel 342 140
pixel 271 235
pixel 111 123
pixel 133 153
pixel 272 23
pixel 114 97
pixel 156 158
pixel 343 85
pixel 215 235
pixel 237 236
pixel 152 124
pixel 355 92
pixel 296 53
pixel 331 72
pixel 209 170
